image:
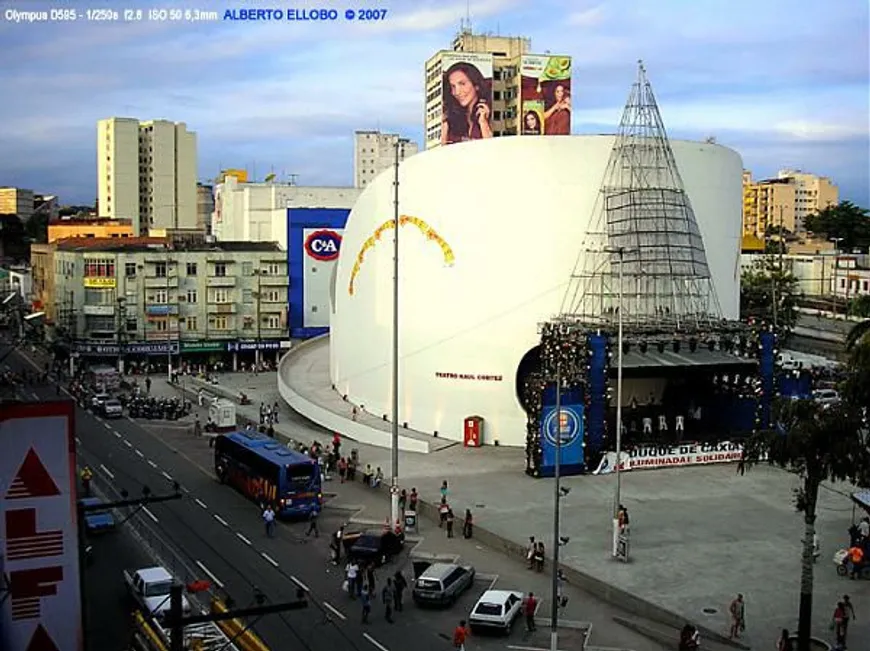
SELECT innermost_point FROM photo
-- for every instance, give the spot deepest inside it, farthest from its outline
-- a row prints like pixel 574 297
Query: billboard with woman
pixel 545 95
pixel 466 97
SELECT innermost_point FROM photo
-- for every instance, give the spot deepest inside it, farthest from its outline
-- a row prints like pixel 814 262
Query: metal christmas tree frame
pixel 642 222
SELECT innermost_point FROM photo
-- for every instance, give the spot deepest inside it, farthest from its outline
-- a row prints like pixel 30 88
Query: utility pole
pixel 122 332
pixel 557 497
pixel 168 324
pixel 257 272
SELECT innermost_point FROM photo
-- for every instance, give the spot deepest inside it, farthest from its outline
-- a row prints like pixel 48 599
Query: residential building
pixel 61 229
pixel 823 273
pixel 258 212
pixel 812 194
pixel 204 207
pixel 42 280
pixel 506 81
pixel 146 172
pixel 16 201
pixel 147 296
pixel 374 152
pixel 239 175
pixel 46 204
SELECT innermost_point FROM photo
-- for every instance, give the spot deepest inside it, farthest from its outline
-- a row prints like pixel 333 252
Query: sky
pixel 783 82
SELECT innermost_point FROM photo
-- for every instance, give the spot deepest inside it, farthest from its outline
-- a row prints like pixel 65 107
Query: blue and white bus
pixel 265 471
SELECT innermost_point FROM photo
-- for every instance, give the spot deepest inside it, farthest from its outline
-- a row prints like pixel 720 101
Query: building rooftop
pixel 89 221
pixel 138 244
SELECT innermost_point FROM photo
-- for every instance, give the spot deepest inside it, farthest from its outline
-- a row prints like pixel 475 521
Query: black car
pixel 373 546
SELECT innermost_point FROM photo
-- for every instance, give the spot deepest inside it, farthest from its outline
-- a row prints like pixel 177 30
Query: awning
pixel 652 358
pixel 862 498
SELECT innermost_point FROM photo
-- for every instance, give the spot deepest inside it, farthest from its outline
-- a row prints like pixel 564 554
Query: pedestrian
pixel 335 545
pixel 366 605
pixel 539 557
pixel 86 477
pixel 403 500
pixel 370 577
pixel 561 597
pixel 460 635
pixel 269 519
pixel 388 596
pixel 784 642
pixel 467 524
pixel 530 608
pixel 312 524
pixel 690 639
pixel 413 498
pixel 839 622
pixel 530 552
pixel 399 585
pixel 275 413
pixel 342 469
pixel 197 427
pixel 147 385
pixel 351 573
pixel 449 522
pixel 737 609
pixel 849 611
pixel 444 490
pixel 443 508
pixel 262 413
pixel 200 397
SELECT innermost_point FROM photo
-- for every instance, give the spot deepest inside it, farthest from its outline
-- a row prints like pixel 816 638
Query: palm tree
pixel 857 333
pixel 817 443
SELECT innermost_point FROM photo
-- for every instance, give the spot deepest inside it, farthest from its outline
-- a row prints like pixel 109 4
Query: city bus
pixel 267 472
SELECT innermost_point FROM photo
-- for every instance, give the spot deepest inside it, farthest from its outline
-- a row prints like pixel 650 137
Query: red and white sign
pixel 39 544
pixel 671 456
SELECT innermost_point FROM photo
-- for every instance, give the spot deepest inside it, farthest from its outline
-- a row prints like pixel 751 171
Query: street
pixel 214 533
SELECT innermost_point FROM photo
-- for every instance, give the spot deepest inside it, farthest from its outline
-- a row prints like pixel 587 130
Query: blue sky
pixel 784 82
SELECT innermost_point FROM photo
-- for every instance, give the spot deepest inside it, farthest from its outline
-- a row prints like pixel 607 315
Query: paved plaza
pixel 699 535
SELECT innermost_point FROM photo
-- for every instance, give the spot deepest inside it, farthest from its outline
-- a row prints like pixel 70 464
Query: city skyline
pixel 772 81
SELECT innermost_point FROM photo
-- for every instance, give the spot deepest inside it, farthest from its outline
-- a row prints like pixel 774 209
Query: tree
pixel 769 292
pixel 846 221
pixel 818 443
pixel 37 227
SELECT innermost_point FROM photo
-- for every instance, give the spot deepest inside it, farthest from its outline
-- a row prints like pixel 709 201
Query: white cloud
pixel 821 131
pixel 588 17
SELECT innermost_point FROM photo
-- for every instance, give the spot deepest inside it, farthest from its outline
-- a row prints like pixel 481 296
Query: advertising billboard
pixel 545 95
pixel 566 424
pixel 466 97
pixel 41 608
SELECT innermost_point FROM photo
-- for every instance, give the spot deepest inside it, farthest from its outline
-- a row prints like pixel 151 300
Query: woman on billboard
pixel 466 105
pixel 532 124
pixel 557 118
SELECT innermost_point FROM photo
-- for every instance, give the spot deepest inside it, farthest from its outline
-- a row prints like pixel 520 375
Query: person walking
pixel 449 522
pixel 784 641
pixel 460 635
pixel 269 520
pixel 840 624
pixel 737 609
pixel 530 552
pixel 399 585
pixel 86 476
pixel 388 596
pixel 413 499
pixel 353 579
pixel 540 556
pixel 444 490
pixel 530 608
pixel 312 524
pixel 443 508
pixel 849 614
pixel 366 605
pixel 467 524
pixel 370 577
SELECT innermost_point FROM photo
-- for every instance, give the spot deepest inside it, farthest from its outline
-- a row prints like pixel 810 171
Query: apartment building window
pixel 190 323
pixel 496 115
pixel 247 268
pixel 161 325
pixel 160 270
pixel 99 297
pixel 221 323
pixel 130 270
pixel 159 297
pixel 272 269
pixel 273 321
pixel 221 296
pixel 247 296
pixel 132 325
pixel 99 268
pixel 100 323
pixel 496 95
pixel 191 269
pixel 220 269
pixel 191 296
pixel 272 296
pixel 248 323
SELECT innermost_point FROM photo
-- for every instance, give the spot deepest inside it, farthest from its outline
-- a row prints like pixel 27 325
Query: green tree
pixel 37 228
pixel 846 221
pixel 769 291
pixel 818 443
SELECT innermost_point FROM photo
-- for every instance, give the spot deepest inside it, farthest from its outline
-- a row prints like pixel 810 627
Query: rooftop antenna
pixel 293 178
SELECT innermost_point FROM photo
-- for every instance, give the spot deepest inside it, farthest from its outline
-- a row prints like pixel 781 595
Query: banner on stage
pixel 671 456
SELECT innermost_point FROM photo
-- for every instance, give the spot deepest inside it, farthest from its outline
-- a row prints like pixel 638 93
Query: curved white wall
pixel 514 211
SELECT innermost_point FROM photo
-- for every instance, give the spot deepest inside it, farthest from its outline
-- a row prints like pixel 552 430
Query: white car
pixel 826 396
pixel 496 610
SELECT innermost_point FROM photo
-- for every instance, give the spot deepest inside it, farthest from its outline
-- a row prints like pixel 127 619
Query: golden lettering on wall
pixel 99 282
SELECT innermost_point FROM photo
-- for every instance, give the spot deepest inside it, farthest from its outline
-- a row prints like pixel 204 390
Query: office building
pixel 16 201
pixel 786 200
pixel 374 152
pixel 146 172
pixel 204 207
pixel 257 212
pixel 147 296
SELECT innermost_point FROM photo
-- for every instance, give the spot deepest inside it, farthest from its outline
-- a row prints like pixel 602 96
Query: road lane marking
pixel 221 520
pixel 209 574
pixel 116 433
pixel 200 502
pixel 167 475
pixel 493 582
pixel 298 583
pixel 140 454
pixel 107 426
pixel 107 471
pixel 127 443
pixel 149 514
pixel 272 561
pixel 334 610
pixel 377 644
pixel 152 464
pixel 243 539
pixel 78 441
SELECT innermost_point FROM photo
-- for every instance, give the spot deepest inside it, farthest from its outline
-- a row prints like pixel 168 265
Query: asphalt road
pixel 214 533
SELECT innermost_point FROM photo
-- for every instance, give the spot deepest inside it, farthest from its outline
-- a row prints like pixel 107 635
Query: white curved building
pixel 497 227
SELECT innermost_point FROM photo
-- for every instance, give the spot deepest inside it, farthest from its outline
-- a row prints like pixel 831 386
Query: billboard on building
pixel 41 608
pixel 545 95
pixel 466 97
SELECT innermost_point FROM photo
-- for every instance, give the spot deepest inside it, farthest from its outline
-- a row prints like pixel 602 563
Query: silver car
pixel 441 584
pixel 112 408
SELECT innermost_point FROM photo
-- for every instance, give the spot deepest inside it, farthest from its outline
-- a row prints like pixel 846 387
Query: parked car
pixel 377 546
pixel 99 520
pixel 826 397
pixel 441 584
pixel 99 400
pixel 112 408
pixel 496 610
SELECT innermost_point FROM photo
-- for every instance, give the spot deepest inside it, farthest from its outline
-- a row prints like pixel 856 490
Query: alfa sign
pixel 323 245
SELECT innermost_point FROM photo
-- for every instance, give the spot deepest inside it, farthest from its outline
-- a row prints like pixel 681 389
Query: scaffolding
pixel 643 235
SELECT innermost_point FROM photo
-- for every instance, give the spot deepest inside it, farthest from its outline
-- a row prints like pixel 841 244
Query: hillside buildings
pixel 785 201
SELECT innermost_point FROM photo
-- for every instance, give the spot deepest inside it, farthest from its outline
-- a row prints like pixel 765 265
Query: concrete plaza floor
pixel 699 535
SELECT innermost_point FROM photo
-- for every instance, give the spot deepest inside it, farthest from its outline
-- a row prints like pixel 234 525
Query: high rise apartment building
pixel 785 201
pixel 374 152
pixel 506 52
pixel 146 172
pixel 16 201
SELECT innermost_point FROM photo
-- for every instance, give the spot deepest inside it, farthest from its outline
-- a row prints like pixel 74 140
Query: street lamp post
pixel 836 274
pixel 557 497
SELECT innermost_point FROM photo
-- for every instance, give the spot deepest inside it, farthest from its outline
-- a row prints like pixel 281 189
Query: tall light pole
pixel 168 324
pixel 836 274
pixel 394 448
pixel 557 497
